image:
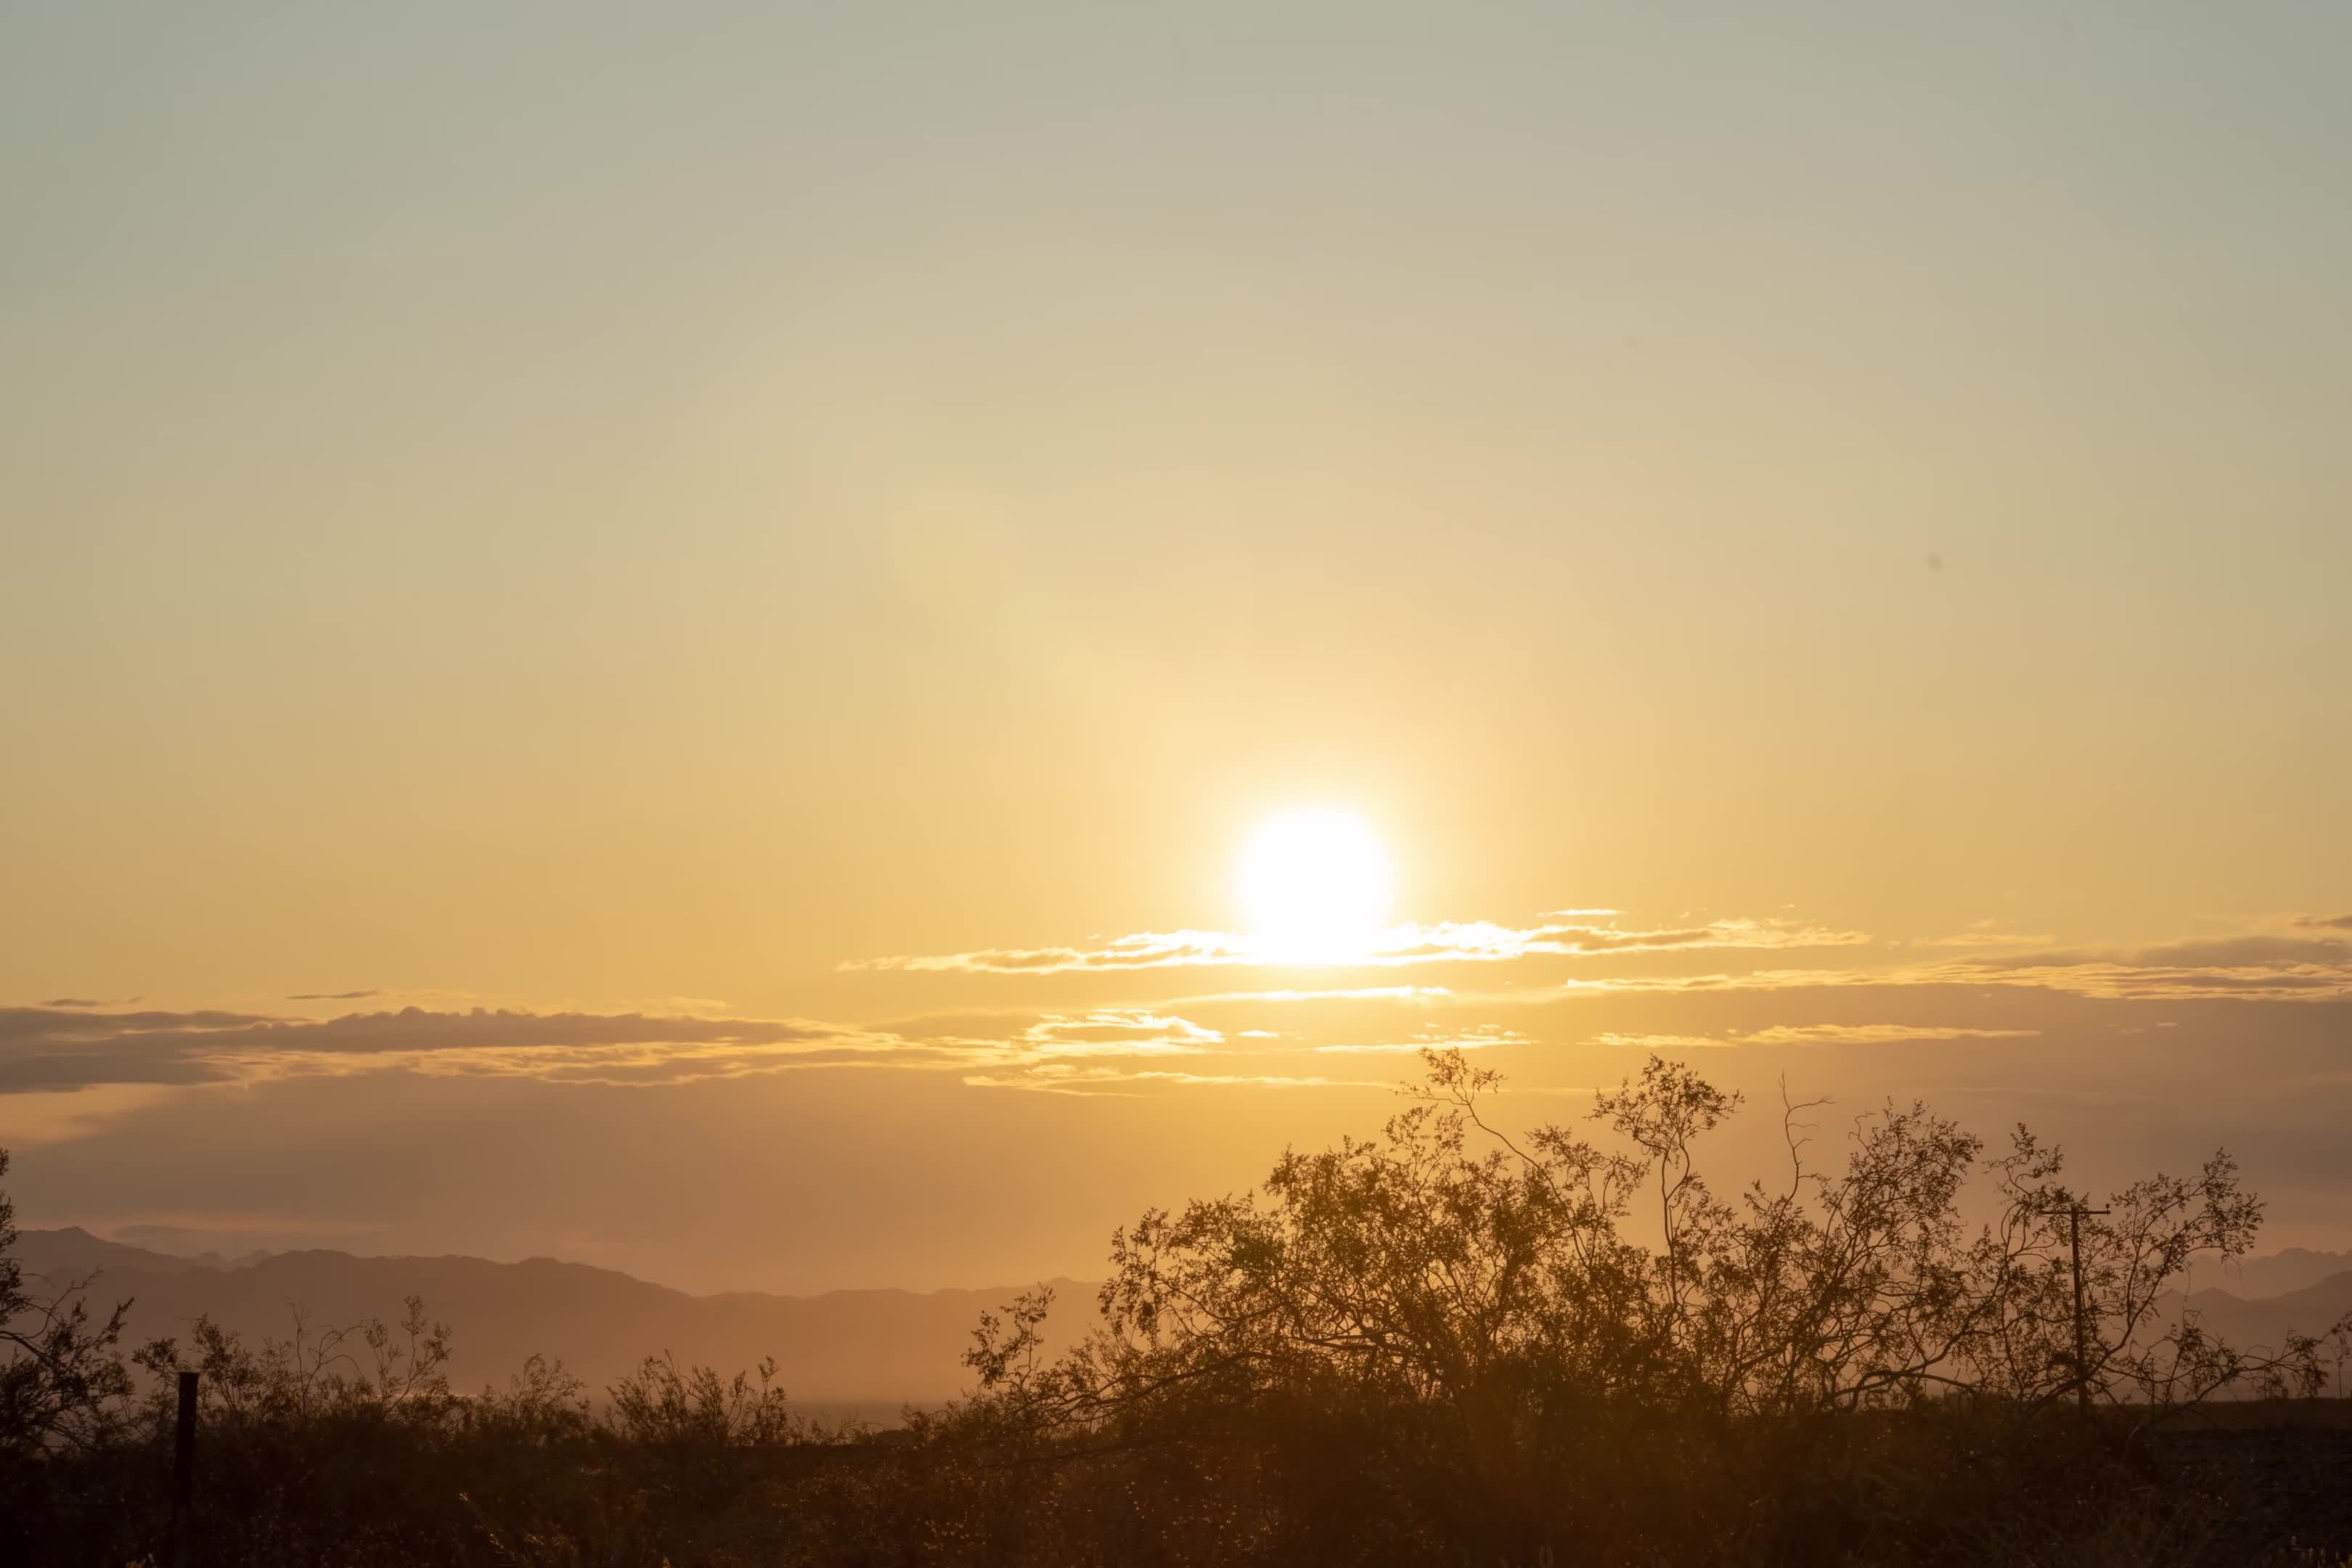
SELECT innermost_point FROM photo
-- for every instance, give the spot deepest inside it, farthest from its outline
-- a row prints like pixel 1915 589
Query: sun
pixel 1315 886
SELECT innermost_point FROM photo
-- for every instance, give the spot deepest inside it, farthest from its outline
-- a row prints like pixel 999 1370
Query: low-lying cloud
pixel 1069 1077
pixel 44 1048
pixel 48 1050
pixel 1447 942
pixel 1483 1036
pixel 1814 1035
pixel 1275 1037
pixel 2260 967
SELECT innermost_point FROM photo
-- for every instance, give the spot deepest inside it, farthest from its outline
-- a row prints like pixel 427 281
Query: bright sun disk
pixel 1315 886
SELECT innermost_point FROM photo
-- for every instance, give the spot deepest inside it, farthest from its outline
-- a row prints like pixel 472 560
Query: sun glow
pixel 1315 886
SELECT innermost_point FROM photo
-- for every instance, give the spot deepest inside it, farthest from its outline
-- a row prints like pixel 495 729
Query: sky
pixel 658 632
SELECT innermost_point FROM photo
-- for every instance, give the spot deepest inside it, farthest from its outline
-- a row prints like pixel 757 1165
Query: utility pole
pixel 184 1476
pixel 2075 1213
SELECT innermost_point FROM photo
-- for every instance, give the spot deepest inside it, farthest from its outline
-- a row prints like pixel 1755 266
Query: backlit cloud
pixel 65 1048
pixel 1117 1031
pixel 1985 934
pixel 1065 1078
pixel 1873 1034
pixel 2276 968
pixel 1478 1038
pixel 2255 967
pixel 45 1049
pixel 1813 1035
pixel 1664 1042
pixel 1340 994
pixel 1447 942
pixel 54 1050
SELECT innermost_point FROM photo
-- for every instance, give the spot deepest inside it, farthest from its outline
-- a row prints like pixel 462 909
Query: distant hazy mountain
pixel 2267 1321
pixel 873 1349
pixel 2295 1269
pixel 870 1350
pixel 75 1251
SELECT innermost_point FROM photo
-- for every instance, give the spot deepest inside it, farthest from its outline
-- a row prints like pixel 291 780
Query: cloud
pixel 1813 1035
pixel 1061 1050
pixel 2325 922
pixel 1872 1033
pixel 1477 1039
pixel 44 1022
pixel 2255 967
pixel 1146 950
pixel 1116 1030
pixel 334 995
pixel 2253 952
pixel 1447 942
pixel 45 1049
pixel 2269 967
pixel 1065 1078
pixel 1984 933
pixel 1664 1041
pixel 1343 993
pixel 51 1050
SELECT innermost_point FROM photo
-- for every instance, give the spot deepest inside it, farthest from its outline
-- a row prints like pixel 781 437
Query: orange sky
pixel 658 633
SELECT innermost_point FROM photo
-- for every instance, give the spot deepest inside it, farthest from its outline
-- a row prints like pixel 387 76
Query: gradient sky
pixel 631 518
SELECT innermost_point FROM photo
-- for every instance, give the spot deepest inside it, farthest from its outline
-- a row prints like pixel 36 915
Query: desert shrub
pixel 1444 1342
pixel 61 1374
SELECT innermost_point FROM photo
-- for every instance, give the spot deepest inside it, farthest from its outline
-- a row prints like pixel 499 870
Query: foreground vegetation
pixel 1441 1346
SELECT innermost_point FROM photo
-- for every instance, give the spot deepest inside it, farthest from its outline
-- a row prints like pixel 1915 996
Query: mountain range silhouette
pixel 861 1353
pixel 858 1354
